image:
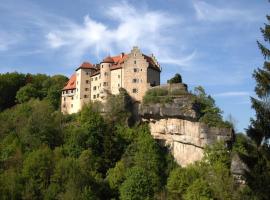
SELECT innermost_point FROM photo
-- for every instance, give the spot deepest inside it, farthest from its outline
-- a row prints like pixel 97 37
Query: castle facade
pixel 135 72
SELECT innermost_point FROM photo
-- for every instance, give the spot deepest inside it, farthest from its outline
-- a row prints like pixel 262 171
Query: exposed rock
pixel 181 107
pixel 186 139
pixel 177 125
pixel 239 169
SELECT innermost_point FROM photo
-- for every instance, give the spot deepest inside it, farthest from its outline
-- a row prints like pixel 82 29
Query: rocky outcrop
pixel 176 125
pixel 186 139
pixel 239 169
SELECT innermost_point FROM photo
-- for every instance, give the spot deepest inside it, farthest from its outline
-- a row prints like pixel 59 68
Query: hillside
pixel 103 153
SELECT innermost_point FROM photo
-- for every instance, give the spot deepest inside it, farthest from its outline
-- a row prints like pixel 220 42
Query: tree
pixel 137 186
pixel 198 190
pixel 26 93
pixel 10 83
pixel 37 171
pixel 179 180
pixel 209 113
pixel 259 129
pixel 176 79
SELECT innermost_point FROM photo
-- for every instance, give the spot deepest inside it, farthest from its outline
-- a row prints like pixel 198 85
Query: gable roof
pixel 71 84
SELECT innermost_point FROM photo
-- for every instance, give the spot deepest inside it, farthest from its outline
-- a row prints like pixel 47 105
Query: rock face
pixel 186 139
pixel 176 126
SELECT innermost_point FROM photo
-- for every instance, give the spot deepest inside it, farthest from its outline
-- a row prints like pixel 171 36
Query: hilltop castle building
pixel 134 72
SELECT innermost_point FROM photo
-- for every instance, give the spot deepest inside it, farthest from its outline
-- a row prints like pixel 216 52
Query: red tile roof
pixel 108 60
pixel 120 58
pixel 86 65
pixel 71 84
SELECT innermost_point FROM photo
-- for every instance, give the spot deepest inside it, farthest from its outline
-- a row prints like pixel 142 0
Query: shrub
pixel 176 79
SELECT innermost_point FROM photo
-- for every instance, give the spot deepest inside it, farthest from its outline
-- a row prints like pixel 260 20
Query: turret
pixel 105 76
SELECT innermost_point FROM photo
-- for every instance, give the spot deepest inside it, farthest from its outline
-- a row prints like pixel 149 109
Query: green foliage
pixel 176 79
pixel 119 107
pixel 10 83
pixel 20 88
pixel 179 180
pixel 116 175
pixel 138 185
pixel 210 114
pixel 157 95
pixel 259 129
pixel 198 190
pixel 26 93
pixel 37 170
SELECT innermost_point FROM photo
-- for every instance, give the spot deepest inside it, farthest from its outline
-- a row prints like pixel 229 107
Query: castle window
pixel 134 61
pixel 95 87
pixel 85 96
pixel 71 98
pixel 94 96
pixel 96 78
pixel 91 79
pixel 141 70
pixel 71 105
pixel 87 81
pixel 64 98
pixel 134 90
pixel 97 95
pixel 86 89
pixel 105 74
pixel 135 80
pixel 118 76
pixel 135 69
pixel 118 85
pixel 86 73
pixel 105 84
pixel 64 106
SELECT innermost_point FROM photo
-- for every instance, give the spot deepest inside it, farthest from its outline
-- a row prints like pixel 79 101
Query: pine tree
pixel 259 129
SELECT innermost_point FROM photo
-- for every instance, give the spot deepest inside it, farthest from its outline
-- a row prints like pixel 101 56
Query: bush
pixel 157 95
pixel 176 79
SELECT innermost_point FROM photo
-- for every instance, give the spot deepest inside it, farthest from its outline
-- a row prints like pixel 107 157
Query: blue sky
pixel 209 42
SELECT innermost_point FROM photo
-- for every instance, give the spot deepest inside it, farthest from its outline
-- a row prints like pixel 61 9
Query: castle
pixel 135 72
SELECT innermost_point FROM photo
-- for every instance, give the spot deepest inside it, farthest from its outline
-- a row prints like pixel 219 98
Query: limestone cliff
pixel 176 125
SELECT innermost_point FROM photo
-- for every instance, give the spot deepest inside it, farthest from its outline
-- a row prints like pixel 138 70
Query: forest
pixel 88 155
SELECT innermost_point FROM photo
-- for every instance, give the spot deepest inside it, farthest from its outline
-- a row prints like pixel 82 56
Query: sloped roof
pixel 151 62
pixel 71 84
pixel 108 60
pixel 86 65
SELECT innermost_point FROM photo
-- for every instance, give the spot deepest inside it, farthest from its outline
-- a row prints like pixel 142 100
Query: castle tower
pixel 105 77
pixel 83 84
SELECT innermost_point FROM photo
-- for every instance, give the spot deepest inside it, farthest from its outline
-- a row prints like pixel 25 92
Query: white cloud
pixel 150 30
pixel 208 12
pixel 232 94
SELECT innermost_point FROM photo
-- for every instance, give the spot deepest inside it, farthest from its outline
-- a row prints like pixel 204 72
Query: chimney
pixel 122 54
